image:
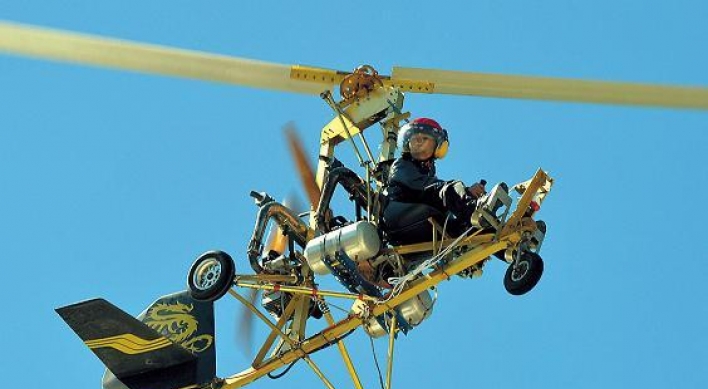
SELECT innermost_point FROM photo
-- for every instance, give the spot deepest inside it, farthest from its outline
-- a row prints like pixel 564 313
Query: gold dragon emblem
pixel 175 322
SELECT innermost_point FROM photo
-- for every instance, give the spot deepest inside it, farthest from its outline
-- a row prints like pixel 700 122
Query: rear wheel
pixel 211 275
pixel 523 274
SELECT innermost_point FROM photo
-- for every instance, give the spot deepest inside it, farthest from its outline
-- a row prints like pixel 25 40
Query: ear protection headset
pixel 443 145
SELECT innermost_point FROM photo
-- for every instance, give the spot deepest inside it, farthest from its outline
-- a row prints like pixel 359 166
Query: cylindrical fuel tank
pixel 359 241
pixel 414 311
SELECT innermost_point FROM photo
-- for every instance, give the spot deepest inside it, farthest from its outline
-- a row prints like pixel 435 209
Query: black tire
pixel 528 272
pixel 211 275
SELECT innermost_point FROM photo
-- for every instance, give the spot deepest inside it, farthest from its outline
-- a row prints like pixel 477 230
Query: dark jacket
pixel 415 194
pixel 412 181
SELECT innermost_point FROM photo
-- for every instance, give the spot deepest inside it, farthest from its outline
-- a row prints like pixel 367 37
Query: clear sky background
pixel 111 183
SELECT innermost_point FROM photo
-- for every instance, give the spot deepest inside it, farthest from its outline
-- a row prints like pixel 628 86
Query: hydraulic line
pixel 280 375
pixel 351 182
pixel 376 362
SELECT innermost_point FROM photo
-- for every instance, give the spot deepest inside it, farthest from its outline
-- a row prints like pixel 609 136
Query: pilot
pixel 414 193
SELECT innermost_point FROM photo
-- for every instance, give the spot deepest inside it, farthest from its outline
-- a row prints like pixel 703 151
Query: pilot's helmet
pixel 424 126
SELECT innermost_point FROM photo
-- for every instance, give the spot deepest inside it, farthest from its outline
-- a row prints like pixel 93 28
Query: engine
pixel 275 301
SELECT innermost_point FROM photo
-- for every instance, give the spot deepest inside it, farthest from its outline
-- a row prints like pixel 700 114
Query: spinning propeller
pixel 112 53
pixel 277 241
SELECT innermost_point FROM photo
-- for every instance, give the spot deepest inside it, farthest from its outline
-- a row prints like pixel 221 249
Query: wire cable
pixel 279 375
pixel 399 283
pixel 376 362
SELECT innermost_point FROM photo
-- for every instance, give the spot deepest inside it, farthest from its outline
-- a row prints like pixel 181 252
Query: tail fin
pixel 171 346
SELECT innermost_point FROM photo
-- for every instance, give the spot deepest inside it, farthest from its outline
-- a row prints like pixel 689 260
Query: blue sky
pixel 113 182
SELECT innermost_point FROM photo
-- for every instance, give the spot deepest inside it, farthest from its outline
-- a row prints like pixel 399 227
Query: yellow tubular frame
pixel 302 290
pixel 485 246
pixel 341 328
pixel 291 343
pixel 391 342
pixel 345 354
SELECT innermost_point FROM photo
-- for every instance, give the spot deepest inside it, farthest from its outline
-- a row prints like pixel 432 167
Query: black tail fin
pixel 171 346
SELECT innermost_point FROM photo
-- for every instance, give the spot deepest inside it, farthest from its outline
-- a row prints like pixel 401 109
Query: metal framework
pixel 480 247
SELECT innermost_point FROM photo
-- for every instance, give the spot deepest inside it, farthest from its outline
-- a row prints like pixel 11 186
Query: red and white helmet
pixel 424 126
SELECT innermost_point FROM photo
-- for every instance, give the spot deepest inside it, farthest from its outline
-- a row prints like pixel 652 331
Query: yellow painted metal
pixel 358 113
pixel 326 152
pixel 415 86
pixel 342 327
pixel 338 130
pixel 287 314
pixel 345 125
pixel 321 75
pixel 299 323
pixel 391 342
pixel 437 229
pixel 430 246
pixel 294 349
pixel 129 344
pixel 302 308
pixel 466 260
pixel 542 191
pixel 317 75
pixel 345 354
pixel 270 278
pixel 558 89
pixel 538 182
pixel 319 373
pixel 86 49
pixel 260 315
pixel 302 290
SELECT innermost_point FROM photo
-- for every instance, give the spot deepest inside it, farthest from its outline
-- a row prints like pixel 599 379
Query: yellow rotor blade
pixel 307 175
pixel 559 89
pixel 112 53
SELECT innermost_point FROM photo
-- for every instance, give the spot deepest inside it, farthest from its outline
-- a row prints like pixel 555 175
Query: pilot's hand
pixel 477 190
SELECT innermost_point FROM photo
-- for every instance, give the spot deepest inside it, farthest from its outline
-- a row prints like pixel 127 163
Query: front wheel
pixel 211 275
pixel 524 274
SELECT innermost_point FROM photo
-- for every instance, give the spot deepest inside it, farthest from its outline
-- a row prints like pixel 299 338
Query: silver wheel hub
pixel 207 274
pixel 519 271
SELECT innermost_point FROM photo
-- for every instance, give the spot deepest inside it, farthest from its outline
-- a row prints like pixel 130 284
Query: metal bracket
pixel 486 214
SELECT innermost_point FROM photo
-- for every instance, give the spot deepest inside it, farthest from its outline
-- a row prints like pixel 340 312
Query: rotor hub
pixel 363 80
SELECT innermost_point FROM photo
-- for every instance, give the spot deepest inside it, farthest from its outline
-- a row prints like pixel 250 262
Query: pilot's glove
pixel 477 190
